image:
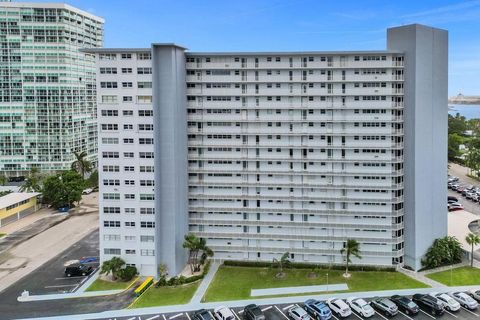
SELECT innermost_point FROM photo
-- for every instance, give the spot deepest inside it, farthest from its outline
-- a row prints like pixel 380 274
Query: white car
pixel 339 307
pixel 474 293
pixel 464 299
pixel 448 302
pixel 87 191
pixel 297 313
pixel 223 313
pixel 361 306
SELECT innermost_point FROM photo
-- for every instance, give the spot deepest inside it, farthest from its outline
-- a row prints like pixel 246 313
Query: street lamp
pixel 327 281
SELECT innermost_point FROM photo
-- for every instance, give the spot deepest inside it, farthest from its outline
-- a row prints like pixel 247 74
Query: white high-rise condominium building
pixel 47 89
pixel 263 153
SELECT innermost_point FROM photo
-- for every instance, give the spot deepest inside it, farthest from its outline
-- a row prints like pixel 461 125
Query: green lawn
pixel 232 283
pixel 166 296
pixel 102 285
pixel 462 276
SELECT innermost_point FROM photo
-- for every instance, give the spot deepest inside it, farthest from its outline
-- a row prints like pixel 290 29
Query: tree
pixel 473 240
pixel 350 248
pixel 196 246
pixel 92 180
pixel 284 261
pixel 112 266
pixel 454 141
pixel 81 164
pixel 443 251
pixel 63 189
pixel 33 182
pixel 3 179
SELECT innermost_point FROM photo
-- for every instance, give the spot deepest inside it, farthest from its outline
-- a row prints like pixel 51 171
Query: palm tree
pixel 81 164
pixel 284 261
pixel 196 245
pixel 33 182
pixel 473 240
pixel 112 266
pixel 350 248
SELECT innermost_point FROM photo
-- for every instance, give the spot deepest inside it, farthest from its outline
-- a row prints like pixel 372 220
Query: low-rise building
pixel 17 205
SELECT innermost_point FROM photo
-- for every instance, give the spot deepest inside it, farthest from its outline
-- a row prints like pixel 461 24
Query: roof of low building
pixel 16 197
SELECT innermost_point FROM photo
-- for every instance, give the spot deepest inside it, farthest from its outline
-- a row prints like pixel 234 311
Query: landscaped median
pixel 103 285
pixel 461 276
pixel 236 283
pixel 165 296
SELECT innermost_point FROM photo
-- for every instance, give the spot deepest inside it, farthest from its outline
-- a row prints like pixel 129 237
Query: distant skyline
pixel 283 25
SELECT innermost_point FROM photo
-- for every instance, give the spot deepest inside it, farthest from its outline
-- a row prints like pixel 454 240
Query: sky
pixel 292 25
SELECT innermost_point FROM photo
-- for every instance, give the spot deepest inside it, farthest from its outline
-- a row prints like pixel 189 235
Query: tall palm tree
pixel 81 164
pixel 350 248
pixel 284 261
pixel 473 240
pixel 33 182
pixel 196 245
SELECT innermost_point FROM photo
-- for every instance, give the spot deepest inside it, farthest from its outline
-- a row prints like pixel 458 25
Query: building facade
pixel 47 91
pixel 273 152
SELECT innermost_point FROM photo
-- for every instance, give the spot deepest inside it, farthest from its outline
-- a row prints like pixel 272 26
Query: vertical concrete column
pixel 425 140
pixel 171 177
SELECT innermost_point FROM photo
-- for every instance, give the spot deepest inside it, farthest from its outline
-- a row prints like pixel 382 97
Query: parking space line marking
pixel 68 278
pixel 405 315
pixel 234 313
pixel 335 316
pixel 61 286
pixel 476 315
pixel 154 317
pixel 356 315
pixel 381 315
pixel 164 317
pixel 267 308
pixel 175 316
pixel 287 307
pixel 450 313
pixel 240 312
pixel 132 318
pixel 283 314
pixel 186 313
pixel 427 314
pixel 139 318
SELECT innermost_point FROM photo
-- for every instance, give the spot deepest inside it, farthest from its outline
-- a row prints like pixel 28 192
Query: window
pixel 107 56
pixel 108 70
pixel 127 113
pixel 146 155
pixel 146 169
pixel 144 99
pixel 147 196
pixel 108 85
pixel 129 169
pixel 146 238
pixel 128 127
pixel 144 85
pixel 145 113
pixel 147 252
pixel 111 209
pixel 109 99
pixel 109 127
pixel 110 140
pixel 111 196
pixel 111 168
pixel 147 210
pixel 147 224
pixel 112 251
pixel 145 127
pixel 111 237
pixel 110 154
pixel 111 224
pixel 144 56
pixel 127 84
pixel 129 223
pixel 144 70
pixel 127 70
pixel 129 251
pixel 126 56
pixel 109 113
pixel 145 140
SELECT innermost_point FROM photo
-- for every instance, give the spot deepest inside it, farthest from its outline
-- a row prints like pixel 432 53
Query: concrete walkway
pixel 295 290
pixel 240 303
pixel 202 288
pixel 47 297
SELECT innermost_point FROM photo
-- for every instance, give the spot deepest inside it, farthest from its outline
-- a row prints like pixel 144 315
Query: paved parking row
pixel 279 312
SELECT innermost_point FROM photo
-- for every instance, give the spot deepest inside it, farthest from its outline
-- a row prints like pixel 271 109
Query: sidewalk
pixel 202 288
pixel 240 303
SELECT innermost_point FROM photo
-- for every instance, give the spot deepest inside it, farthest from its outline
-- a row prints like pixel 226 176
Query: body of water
pixel 468 111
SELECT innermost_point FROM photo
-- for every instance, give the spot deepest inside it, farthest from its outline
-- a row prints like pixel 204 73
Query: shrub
pixel 443 251
pixel 127 273
pixel 298 265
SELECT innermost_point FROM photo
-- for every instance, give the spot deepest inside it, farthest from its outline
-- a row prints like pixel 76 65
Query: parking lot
pixel 279 312
pixel 50 277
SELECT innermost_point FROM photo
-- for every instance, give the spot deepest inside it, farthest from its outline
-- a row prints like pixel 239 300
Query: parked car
pixel 317 309
pixel 253 312
pixel 339 307
pixel 455 199
pixel 202 314
pixel 430 304
pixel 77 269
pixel 455 186
pixel 297 313
pixel 455 207
pixel 361 307
pixel 448 302
pixel 464 299
pixel 475 294
pixel 405 304
pixel 223 313
pixel 89 260
pixel 87 191
pixel 452 201
pixel 384 306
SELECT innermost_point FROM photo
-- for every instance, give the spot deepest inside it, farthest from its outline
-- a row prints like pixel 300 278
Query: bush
pixel 161 282
pixel 444 251
pixel 127 273
pixel 298 265
pixel 175 281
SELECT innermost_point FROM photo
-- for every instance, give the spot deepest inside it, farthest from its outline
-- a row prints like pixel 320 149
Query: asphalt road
pixel 50 278
pixel 279 312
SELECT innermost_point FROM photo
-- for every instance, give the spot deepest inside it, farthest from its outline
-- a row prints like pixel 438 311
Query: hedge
pixel 298 265
pixel 144 286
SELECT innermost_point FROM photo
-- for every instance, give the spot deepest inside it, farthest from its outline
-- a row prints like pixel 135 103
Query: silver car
pixel 464 299
pixel 297 313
